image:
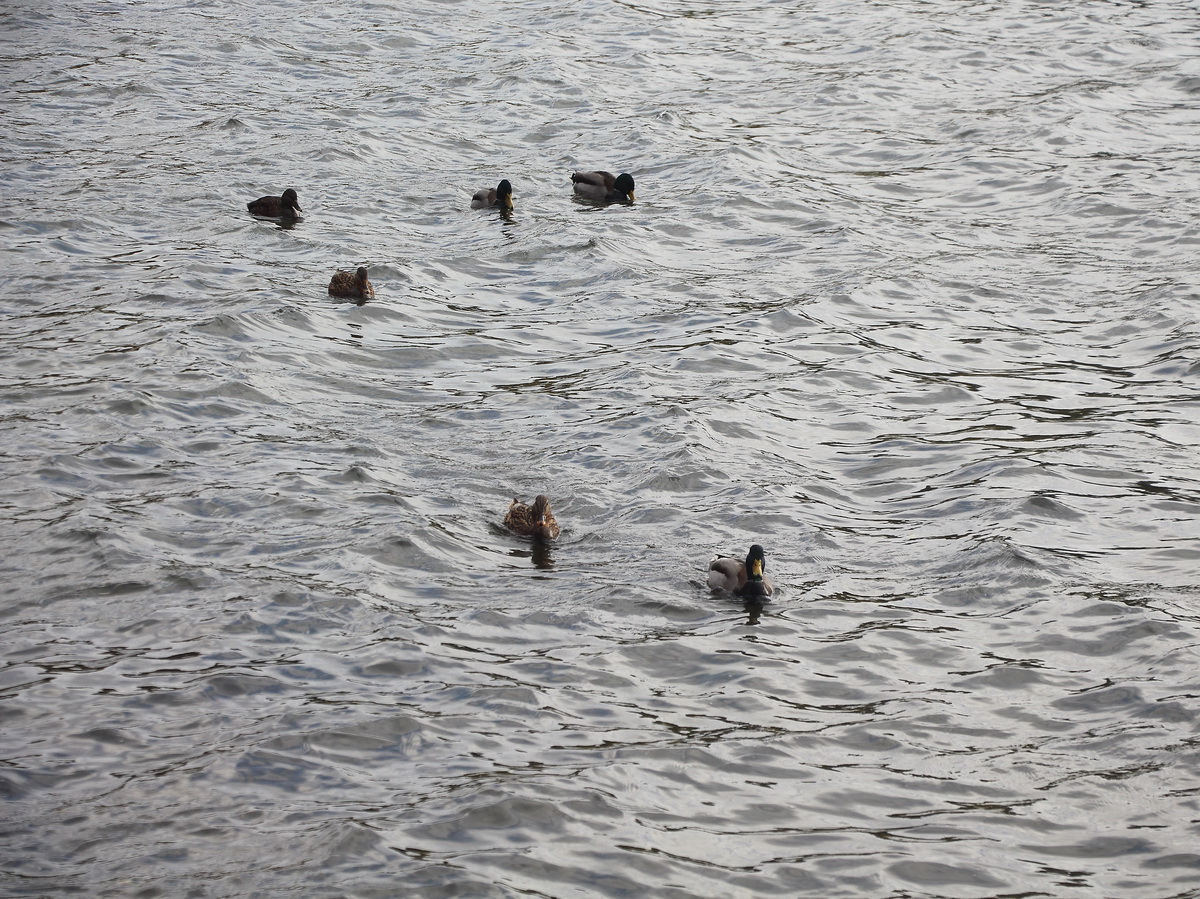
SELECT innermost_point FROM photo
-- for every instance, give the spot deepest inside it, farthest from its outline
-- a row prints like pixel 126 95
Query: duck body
pixel 492 197
pixel 352 284
pixel 746 579
pixel 285 206
pixel 535 521
pixel 603 187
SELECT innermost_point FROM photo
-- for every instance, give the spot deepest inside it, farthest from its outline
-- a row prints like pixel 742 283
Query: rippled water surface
pixel 908 295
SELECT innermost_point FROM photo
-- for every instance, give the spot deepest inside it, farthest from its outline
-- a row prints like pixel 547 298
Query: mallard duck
pixel 535 521
pixel 352 284
pixel 500 195
pixel 276 207
pixel 746 579
pixel 603 187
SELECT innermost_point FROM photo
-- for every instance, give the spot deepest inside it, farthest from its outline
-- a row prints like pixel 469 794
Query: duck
pixel 490 197
pixel 285 206
pixel 603 186
pixel 535 521
pixel 746 579
pixel 352 284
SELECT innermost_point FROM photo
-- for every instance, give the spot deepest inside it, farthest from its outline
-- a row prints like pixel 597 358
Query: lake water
pixel 909 295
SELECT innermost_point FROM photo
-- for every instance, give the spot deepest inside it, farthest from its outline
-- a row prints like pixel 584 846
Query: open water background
pixel 909 296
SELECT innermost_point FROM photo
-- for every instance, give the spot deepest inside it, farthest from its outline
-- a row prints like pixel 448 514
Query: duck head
pixel 624 185
pixel 504 194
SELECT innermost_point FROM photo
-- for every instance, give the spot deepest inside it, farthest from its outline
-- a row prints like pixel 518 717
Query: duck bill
pixel 756 569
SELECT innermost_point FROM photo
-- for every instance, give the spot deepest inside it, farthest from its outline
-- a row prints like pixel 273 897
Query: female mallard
pixel 746 579
pixel 352 284
pixel 276 207
pixel 603 187
pixel 535 521
pixel 489 197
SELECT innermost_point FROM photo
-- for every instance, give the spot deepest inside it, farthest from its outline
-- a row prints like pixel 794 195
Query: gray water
pixel 908 295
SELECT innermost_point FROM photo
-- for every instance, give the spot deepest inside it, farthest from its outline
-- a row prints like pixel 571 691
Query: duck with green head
pixel 499 197
pixel 747 578
pixel 603 187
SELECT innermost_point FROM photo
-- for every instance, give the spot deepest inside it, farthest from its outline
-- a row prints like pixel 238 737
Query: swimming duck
pixel 352 284
pixel 602 186
pixel 746 579
pixel 535 521
pixel 500 195
pixel 276 207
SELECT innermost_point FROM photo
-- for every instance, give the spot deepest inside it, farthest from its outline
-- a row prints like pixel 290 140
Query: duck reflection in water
pixel 754 609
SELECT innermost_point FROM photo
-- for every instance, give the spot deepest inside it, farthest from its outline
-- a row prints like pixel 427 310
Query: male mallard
pixel 352 284
pixel 500 195
pixel 276 207
pixel 603 187
pixel 746 579
pixel 535 521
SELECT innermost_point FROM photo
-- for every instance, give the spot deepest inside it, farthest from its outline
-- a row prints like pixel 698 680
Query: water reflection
pixel 274 620
pixel 754 609
pixel 540 552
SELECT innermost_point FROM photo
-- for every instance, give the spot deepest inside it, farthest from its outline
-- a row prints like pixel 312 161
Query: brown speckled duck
pixel 603 187
pixel 535 521
pixel 746 579
pixel 352 284
pixel 491 197
pixel 285 206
